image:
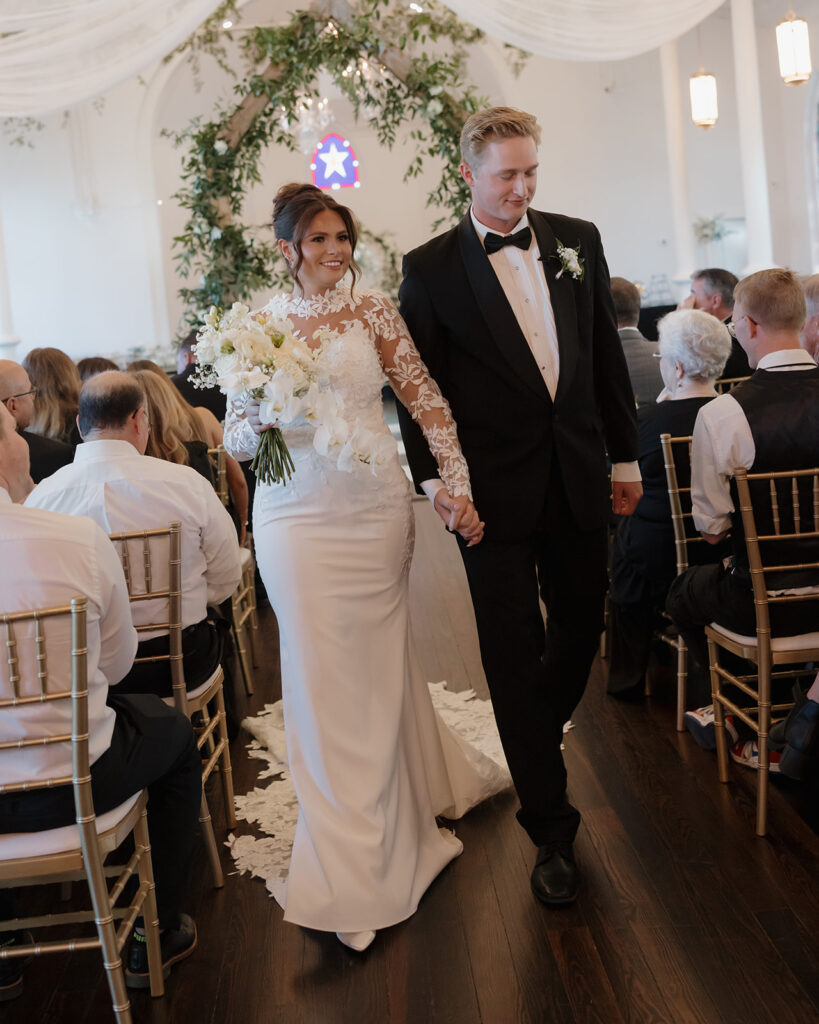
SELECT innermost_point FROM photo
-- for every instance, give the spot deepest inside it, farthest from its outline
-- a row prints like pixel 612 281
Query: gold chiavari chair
pixel 212 736
pixel 244 621
pixel 790 500
pixel 726 384
pixel 677 461
pixel 67 854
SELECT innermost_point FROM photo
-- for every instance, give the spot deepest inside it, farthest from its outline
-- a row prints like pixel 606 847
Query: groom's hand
pixel 624 496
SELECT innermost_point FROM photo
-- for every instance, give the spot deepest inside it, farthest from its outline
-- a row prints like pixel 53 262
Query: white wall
pixel 103 281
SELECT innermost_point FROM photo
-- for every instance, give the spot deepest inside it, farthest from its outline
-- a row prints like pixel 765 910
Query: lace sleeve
pixel 240 440
pixel 416 389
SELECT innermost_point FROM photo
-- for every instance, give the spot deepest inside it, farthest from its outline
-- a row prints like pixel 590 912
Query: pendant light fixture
pixel 793 45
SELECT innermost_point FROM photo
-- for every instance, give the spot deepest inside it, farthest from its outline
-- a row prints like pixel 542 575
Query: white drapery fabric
pixel 585 29
pixel 56 53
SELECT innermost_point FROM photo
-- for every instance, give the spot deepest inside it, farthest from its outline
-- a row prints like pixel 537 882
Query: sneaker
pixel 746 753
pixel 175 943
pixel 700 724
pixel 11 971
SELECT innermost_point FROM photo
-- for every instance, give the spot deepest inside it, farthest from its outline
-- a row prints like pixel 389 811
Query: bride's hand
pixel 459 515
pixel 252 417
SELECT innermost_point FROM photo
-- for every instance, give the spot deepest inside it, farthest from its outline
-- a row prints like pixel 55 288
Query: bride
pixel 371 762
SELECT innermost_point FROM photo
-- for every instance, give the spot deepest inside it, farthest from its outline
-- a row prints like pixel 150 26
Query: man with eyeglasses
pixel 47 455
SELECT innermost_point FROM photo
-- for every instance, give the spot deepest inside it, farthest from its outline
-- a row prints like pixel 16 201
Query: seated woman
pixel 181 433
pixel 693 349
pixel 57 382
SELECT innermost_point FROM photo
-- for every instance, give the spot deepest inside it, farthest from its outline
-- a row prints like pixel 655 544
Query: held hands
pixel 624 496
pixel 460 516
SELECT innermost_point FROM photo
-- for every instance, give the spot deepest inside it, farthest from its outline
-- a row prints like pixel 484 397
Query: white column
pixel 751 140
pixel 8 339
pixel 677 174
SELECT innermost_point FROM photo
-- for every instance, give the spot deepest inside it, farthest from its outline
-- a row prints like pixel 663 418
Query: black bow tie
pixel 522 239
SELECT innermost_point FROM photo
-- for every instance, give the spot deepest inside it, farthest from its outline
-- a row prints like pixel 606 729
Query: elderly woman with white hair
pixel 694 347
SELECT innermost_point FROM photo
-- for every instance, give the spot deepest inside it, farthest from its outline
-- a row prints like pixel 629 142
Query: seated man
pixel 46 454
pixel 135 741
pixel 643 368
pixel 712 291
pixel 770 422
pixel 114 483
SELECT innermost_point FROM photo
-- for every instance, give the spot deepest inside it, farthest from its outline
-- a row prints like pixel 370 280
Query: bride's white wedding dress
pixel 371 762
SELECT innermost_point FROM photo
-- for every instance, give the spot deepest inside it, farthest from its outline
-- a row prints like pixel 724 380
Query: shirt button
pixel 526 301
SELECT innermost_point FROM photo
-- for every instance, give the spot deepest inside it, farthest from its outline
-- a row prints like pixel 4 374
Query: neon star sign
pixel 334 164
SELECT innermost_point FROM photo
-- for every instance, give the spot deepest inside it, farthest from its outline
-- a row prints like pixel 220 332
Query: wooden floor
pixel 684 916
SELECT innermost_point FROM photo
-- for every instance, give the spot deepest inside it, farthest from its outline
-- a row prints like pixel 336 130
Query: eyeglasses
pixel 732 327
pixel 21 394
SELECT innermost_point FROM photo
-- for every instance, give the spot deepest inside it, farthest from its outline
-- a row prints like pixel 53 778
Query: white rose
pixel 220 147
pixel 434 108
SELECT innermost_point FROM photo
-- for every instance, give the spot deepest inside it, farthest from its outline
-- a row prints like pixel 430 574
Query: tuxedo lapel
pixel 562 295
pixel 494 306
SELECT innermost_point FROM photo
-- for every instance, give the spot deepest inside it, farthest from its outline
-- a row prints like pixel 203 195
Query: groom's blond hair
pixel 495 123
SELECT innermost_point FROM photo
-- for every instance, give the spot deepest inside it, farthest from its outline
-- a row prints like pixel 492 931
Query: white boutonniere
pixel 571 262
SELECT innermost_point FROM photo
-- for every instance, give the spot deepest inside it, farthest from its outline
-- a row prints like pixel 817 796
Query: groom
pixel 512 313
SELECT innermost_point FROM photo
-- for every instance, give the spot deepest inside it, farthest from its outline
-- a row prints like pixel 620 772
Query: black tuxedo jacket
pixel 510 430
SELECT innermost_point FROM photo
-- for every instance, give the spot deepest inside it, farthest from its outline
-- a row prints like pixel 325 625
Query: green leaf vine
pixel 394 64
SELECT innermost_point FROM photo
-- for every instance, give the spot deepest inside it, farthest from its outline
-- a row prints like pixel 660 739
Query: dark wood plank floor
pixel 684 917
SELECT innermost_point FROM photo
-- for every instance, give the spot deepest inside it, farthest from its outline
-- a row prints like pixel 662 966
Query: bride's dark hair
pixel 294 208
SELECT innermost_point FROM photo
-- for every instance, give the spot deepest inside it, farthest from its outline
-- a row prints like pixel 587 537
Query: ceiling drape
pixel 584 29
pixel 56 53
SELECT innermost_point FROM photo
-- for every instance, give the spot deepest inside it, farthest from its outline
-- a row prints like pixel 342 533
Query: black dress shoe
pixel 11 970
pixel 175 944
pixel 554 879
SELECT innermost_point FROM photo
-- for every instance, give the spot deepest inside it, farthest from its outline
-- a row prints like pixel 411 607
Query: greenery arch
pixel 368 48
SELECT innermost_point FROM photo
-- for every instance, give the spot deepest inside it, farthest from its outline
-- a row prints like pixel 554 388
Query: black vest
pixel 782 409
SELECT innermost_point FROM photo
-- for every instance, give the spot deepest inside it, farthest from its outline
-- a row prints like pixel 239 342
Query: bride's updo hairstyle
pixel 294 208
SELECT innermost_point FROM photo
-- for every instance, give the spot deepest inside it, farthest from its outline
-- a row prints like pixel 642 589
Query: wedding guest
pixel 643 371
pixel 712 291
pixel 92 365
pixel 186 366
pixel 135 741
pixel 46 454
pixel 768 423
pixel 693 348
pixel 56 381
pixel 197 430
pixel 809 335
pixel 118 486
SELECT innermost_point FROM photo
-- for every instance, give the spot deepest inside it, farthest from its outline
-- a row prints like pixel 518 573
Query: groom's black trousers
pixel 536 676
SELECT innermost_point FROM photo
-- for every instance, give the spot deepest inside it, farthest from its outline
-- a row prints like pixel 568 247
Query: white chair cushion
pixel 193 694
pixel 59 840
pixel 247 557
pixel 803 642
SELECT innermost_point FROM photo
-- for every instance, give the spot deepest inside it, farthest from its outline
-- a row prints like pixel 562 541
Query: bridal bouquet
pixel 258 355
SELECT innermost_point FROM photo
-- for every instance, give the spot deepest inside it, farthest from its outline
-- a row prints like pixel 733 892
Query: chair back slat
pixel 677 460
pixel 171 623
pixel 774 506
pixel 76 613
pixel 816 501
pixel 218 461
pixel 797 511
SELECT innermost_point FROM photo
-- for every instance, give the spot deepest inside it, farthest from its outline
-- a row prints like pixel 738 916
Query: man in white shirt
pixel 768 423
pixel 114 483
pixel 136 741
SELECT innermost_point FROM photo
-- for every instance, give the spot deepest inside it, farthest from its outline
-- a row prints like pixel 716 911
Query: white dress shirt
pixel 121 490
pixel 47 560
pixel 723 443
pixel 521 276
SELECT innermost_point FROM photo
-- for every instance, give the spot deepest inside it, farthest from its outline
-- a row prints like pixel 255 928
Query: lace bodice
pixel 364 337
